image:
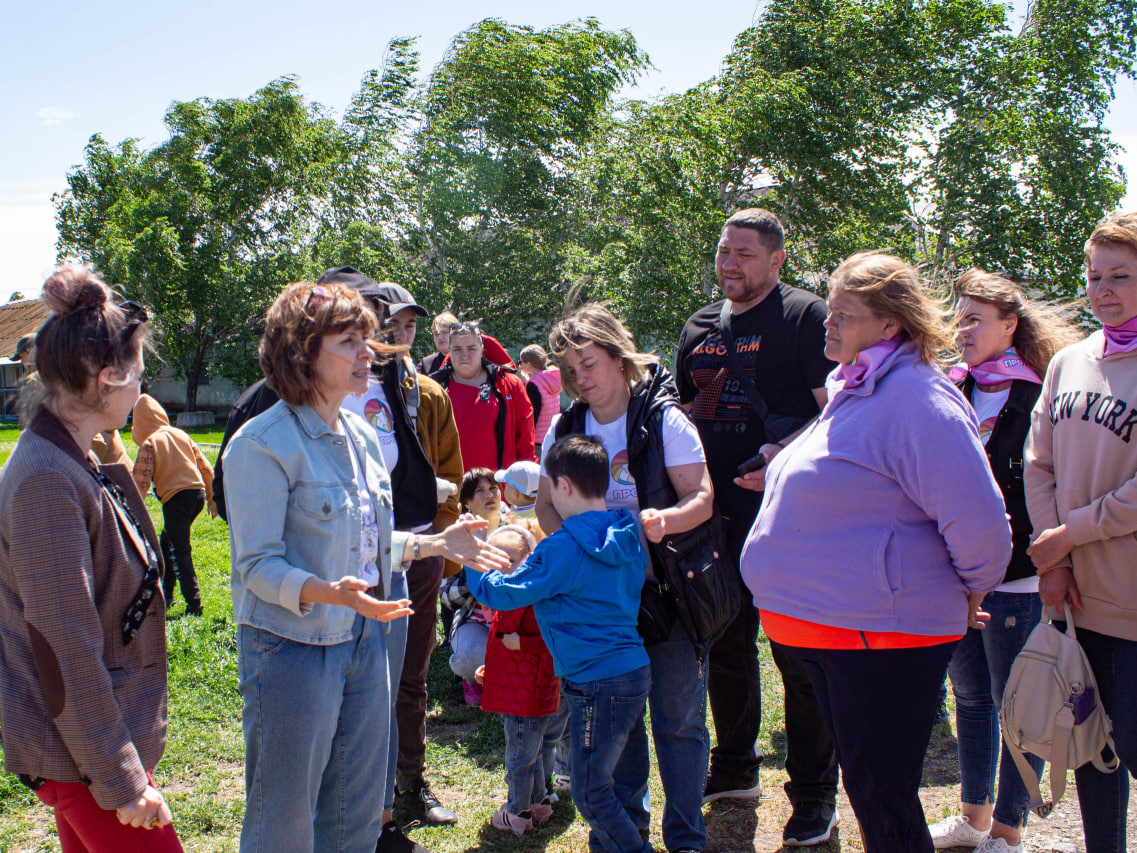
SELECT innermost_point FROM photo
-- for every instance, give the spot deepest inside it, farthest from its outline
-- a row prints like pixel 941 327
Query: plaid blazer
pixel 76 704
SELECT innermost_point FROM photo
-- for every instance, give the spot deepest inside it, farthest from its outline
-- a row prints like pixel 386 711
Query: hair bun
pixel 74 288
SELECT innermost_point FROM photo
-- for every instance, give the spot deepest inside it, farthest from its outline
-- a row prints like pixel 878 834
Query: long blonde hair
pixel 1042 329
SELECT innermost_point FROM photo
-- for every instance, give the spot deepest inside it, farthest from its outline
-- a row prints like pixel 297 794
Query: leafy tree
pixel 205 227
pixel 505 113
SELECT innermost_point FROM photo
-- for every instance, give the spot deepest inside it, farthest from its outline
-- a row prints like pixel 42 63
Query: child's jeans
pixel 468 649
pixel 602 714
pixel 529 746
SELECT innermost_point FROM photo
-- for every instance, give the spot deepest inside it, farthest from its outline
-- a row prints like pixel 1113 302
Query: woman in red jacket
pixel 492 411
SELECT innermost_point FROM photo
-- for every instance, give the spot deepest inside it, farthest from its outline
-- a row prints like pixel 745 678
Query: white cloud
pixel 54 116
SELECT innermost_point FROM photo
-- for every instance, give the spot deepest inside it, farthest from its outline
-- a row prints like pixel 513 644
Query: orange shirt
pixel 789 631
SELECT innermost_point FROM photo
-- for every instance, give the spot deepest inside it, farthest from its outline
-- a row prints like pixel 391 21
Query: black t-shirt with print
pixel 780 342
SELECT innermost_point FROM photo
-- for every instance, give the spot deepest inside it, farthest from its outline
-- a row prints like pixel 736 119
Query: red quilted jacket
pixel 519 683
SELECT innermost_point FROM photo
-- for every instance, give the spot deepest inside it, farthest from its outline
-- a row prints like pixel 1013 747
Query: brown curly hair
pixel 294 328
pixel 87 331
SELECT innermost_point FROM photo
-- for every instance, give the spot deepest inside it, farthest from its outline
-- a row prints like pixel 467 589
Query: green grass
pixel 201 772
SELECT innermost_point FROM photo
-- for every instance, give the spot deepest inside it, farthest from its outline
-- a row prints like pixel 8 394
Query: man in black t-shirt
pixel 780 338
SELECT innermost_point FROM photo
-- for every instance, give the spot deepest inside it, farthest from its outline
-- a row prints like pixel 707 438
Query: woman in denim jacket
pixel 310 512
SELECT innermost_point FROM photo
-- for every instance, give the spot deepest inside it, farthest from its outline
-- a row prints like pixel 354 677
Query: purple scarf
pixel 1006 367
pixel 865 365
pixel 1121 338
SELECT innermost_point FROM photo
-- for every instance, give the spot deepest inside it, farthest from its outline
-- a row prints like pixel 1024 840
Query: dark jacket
pixel 257 398
pixel 1005 453
pixel 653 486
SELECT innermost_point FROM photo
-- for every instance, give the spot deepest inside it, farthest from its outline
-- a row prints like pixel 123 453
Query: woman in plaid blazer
pixel 82 620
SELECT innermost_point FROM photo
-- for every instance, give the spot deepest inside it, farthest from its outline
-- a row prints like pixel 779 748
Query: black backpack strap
pixel 499 425
pixel 736 364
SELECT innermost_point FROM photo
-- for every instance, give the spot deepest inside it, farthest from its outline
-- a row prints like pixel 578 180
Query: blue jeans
pixel 396 650
pixel 602 714
pixel 529 746
pixel 1104 797
pixel 978 670
pixel 316 728
pixel 678 701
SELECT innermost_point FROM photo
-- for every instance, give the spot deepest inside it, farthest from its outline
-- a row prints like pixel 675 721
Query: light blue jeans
pixel 603 713
pixel 316 729
pixel 678 702
pixel 396 651
pixel 529 746
pixel 978 670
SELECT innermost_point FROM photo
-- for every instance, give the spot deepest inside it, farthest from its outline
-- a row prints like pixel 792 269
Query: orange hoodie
pixel 167 456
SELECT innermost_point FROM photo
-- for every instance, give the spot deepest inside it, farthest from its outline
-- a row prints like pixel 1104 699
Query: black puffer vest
pixel 1005 454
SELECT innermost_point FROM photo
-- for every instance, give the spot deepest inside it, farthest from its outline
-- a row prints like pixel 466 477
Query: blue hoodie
pixel 584 583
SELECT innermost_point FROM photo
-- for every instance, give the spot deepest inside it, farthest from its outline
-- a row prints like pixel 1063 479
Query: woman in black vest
pixel 1006 342
pixel 628 401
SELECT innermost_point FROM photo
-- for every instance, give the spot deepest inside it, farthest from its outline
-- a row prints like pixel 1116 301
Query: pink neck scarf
pixel 1006 367
pixel 865 365
pixel 1121 338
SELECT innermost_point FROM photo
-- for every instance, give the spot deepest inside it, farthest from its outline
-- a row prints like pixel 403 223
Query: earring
pixel 105 404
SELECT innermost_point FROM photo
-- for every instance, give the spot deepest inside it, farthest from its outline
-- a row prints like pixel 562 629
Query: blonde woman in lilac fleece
pixel 881 531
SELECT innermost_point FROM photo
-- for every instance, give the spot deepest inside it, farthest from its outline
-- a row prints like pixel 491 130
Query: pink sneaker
pixel 472 694
pixel 542 811
pixel 517 824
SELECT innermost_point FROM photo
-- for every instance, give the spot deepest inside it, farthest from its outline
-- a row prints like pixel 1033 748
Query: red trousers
pixel 86 827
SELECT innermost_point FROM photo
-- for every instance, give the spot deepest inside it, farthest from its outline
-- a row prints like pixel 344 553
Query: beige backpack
pixel 1052 709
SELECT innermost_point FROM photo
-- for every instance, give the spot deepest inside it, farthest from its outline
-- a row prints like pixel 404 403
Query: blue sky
pixel 68 70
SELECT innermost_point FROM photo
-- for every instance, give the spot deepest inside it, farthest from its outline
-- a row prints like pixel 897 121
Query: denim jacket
pixel 294 513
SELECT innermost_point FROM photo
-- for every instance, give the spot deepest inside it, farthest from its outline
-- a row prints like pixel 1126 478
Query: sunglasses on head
pixel 470 326
pixel 317 296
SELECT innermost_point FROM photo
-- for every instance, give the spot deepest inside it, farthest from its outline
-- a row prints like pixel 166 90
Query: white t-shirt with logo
pixel 373 406
pixel 681 446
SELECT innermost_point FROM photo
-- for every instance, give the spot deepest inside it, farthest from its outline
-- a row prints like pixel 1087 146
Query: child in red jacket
pixel 519 684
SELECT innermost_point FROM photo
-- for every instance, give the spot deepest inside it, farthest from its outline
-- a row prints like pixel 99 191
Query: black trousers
pixel 178 514
pixel 880 706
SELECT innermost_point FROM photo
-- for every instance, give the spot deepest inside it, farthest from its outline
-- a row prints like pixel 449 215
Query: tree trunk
pixel 191 379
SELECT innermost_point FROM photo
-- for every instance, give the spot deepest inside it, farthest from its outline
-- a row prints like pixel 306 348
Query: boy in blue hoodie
pixel 584 583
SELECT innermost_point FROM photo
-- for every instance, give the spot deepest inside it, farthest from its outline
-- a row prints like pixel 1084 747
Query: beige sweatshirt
pixel 167 455
pixel 1081 471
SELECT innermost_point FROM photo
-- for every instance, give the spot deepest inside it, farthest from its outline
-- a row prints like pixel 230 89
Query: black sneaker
pixel 811 823
pixel 419 806
pixel 392 840
pixel 717 789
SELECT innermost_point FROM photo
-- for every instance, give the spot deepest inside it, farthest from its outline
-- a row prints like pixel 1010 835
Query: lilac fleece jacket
pixel 883 515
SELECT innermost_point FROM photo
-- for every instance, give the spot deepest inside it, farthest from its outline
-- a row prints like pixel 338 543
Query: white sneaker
pixel 956 831
pixel 999 845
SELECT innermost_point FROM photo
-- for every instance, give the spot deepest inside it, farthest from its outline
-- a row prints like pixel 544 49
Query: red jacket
pixel 519 683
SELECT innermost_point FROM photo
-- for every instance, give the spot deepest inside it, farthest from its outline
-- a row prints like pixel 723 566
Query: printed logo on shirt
pixel 985 428
pixel 378 415
pixel 1105 410
pixel 620 473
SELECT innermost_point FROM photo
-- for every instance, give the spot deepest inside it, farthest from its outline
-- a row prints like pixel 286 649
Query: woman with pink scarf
pixel 1081 490
pixel 880 532
pixel 1005 341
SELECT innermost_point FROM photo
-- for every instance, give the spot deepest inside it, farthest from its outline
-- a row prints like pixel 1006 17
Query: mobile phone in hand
pixel 755 463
